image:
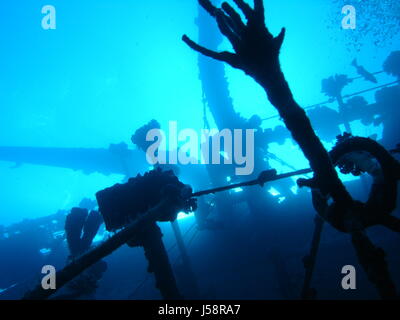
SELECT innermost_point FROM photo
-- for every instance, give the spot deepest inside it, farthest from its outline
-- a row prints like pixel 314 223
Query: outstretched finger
pixel 209 7
pixel 259 9
pixel 279 39
pixel 221 56
pixel 199 48
pixel 238 24
pixel 247 10
pixel 227 27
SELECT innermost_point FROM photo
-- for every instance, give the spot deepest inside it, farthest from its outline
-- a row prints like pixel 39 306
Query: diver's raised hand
pixel 256 49
pixel 257 54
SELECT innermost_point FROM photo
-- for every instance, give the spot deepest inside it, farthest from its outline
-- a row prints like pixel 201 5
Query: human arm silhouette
pixel 256 52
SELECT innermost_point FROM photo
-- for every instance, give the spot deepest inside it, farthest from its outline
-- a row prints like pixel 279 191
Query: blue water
pixel 109 67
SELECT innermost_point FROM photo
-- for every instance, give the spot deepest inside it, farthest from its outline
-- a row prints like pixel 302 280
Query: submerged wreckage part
pixel 156 196
pixel 123 203
pixel 357 155
pixel 81 227
pixel 150 238
pixel 256 52
pixel 377 210
pixel 309 261
pixel 173 197
pixel 372 259
pixel 263 178
pixel 117 159
pixel 82 263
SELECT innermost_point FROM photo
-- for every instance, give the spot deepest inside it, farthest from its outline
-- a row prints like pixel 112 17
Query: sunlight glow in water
pixel 183 215
pixel 45 251
pixel 274 192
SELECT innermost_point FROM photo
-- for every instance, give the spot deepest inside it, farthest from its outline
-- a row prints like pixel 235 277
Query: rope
pixel 333 99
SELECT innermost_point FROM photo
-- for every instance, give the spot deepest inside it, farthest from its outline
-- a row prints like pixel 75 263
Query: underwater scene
pixel 200 150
